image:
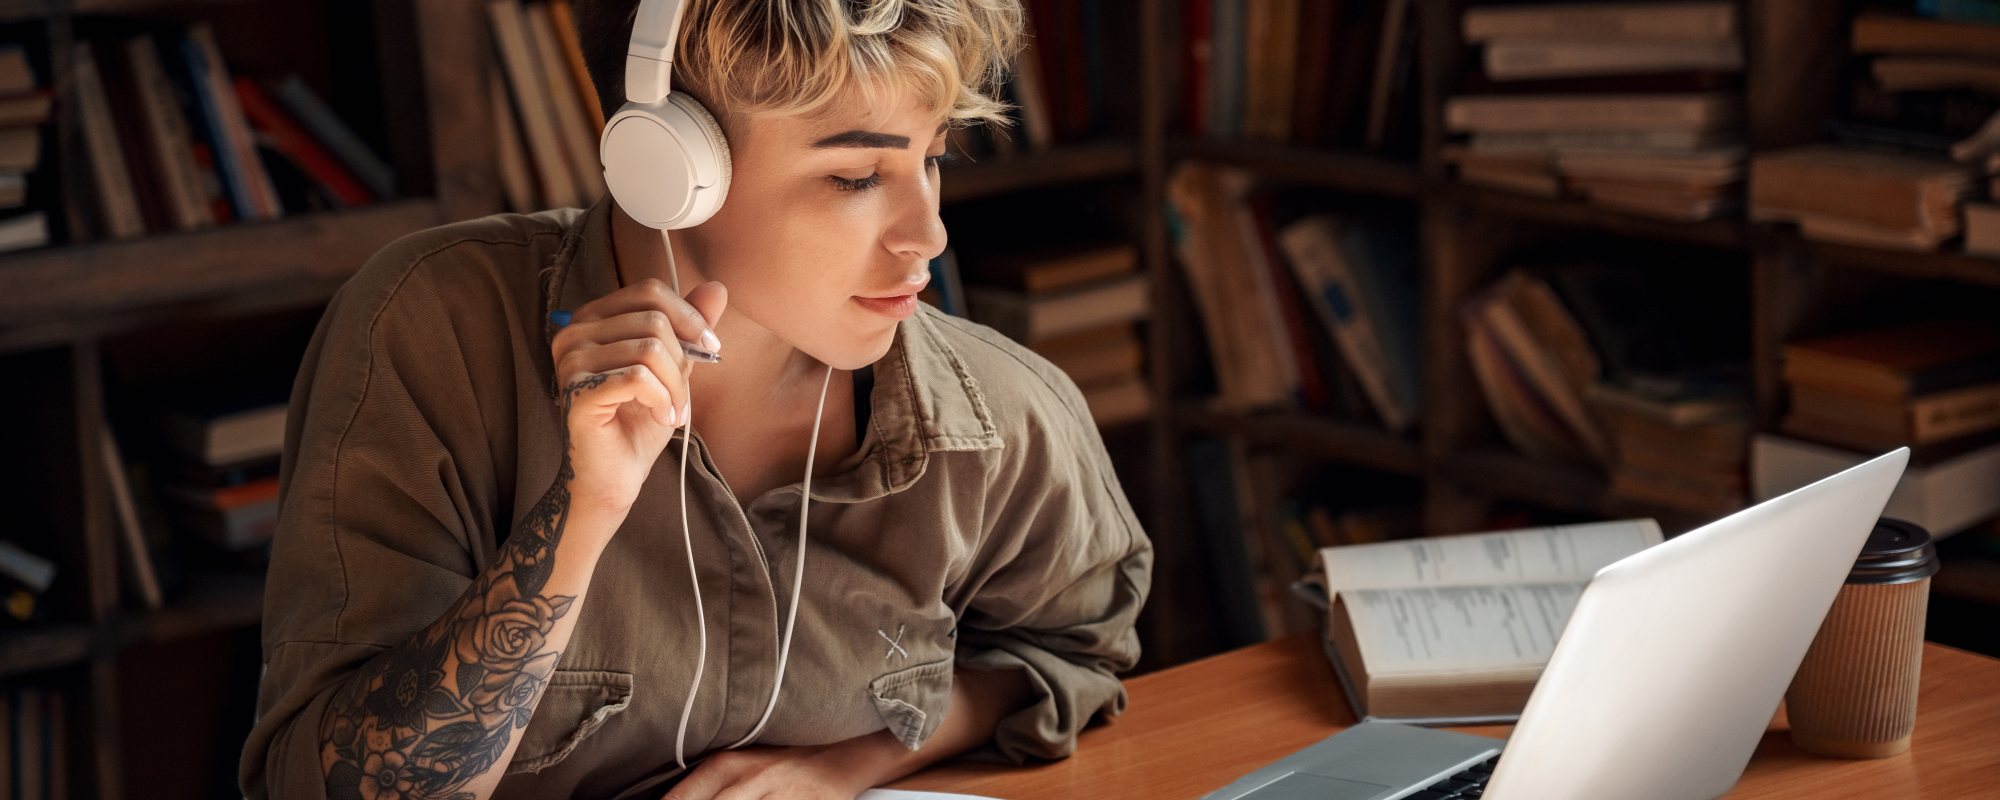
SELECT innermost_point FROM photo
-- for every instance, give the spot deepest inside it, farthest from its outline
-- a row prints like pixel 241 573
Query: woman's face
pixel 825 236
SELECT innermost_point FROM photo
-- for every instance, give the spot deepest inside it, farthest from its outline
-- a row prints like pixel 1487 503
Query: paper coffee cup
pixel 1855 695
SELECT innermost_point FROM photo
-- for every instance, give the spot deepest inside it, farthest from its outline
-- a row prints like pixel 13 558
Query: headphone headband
pixel 649 59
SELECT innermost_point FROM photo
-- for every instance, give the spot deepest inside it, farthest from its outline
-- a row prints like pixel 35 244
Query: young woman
pixel 508 564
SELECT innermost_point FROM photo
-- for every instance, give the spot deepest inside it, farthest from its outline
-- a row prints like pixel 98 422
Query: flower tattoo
pixel 426 718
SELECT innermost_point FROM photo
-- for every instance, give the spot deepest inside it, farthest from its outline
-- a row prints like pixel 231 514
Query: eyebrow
pixel 870 139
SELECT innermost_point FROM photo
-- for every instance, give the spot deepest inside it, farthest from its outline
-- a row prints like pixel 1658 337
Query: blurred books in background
pixel 1272 283
pixel 1589 364
pixel 1306 72
pixel 173 142
pixel 1931 386
pixel 1628 105
pixel 545 108
pixel 1077 305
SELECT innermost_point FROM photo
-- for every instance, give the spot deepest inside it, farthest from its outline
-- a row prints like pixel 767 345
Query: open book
pixel 1454 630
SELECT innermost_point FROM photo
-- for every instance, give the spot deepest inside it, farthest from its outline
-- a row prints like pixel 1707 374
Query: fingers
pixel 685 320
pixel 647 355
pixel 597 397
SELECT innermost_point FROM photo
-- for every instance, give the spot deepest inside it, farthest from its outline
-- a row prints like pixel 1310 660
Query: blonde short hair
pixel 800 57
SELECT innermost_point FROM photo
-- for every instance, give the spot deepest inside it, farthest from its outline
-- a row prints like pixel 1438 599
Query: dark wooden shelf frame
pixel 214 603
pixel 1354 443
pixel 1073 163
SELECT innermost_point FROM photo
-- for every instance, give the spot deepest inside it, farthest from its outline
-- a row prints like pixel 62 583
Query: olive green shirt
pixel 979 524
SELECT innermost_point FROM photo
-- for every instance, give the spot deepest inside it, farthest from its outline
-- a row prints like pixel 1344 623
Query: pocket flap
pixel 573 706
pixel 913 701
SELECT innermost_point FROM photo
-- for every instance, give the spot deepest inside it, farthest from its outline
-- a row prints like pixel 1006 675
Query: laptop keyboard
pixel 1466 784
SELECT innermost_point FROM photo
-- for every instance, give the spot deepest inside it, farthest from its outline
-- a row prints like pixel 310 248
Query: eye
pixel 872 181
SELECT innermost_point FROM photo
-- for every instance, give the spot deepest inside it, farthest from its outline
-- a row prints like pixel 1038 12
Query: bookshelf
pixel 1795 61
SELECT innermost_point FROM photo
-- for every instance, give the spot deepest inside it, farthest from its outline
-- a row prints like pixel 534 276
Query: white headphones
pixel 665 158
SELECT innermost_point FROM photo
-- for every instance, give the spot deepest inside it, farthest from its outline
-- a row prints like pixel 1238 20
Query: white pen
pixel 693 351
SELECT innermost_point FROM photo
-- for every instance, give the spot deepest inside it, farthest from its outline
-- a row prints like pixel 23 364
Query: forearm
pixel 979 700
pixel 441 712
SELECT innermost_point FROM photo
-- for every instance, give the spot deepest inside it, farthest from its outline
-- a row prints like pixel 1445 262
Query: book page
pixel 1567 553
pixel 1454 629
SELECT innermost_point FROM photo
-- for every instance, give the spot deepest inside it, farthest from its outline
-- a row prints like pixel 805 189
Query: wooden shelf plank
pixel 1951 266
pixel 1346 442
pixel 1718 233
pixel 1509 474
pixel 34 649
pixel 970 180
pixel 61 287
pixel 23 10
pixel 214 603
pixel 1351 172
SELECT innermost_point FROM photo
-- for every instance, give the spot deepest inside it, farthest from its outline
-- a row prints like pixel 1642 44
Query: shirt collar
pixel 925 399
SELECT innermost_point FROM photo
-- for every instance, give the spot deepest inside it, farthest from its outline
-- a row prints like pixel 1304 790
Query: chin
pixel 856 352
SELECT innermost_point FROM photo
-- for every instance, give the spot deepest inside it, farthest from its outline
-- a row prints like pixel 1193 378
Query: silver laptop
pixel 1662 683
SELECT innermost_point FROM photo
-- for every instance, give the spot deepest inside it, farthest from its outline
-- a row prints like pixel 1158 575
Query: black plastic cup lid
pixel 1896 552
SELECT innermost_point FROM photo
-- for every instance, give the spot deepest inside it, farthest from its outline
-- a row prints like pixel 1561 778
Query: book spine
pixel 563 16
pixel 294 142
pixel 571 125
pixel 328 129
pixel 1544 374
pixel 1030 89
pixel 1226 67
pixel 1938 417
pixel 173 145
pixel 1387 54
pixel 118 202
pixel 545 146
pixel 1640 21
pixel 517 178
pixel 1335 297
pixel 143 576
pixel 1510 59
pixel 250 189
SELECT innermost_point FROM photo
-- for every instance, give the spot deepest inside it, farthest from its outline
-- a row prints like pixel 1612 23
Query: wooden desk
pixel 1193 729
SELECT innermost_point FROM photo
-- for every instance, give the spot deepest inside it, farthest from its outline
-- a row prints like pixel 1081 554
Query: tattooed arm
pixel 437 716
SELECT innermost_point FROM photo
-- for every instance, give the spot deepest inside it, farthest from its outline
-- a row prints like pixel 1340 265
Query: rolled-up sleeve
pixel 1063 570
pixel 390 501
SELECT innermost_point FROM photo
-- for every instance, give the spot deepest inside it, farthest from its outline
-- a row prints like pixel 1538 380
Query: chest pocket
pixel 575 704
pixel 913 701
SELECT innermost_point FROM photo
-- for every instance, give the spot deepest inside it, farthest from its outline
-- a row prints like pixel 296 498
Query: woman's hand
pixel 836 771
pixel 625 384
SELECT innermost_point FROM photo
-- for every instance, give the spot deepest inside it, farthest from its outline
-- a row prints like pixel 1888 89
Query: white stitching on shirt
pixel 895 645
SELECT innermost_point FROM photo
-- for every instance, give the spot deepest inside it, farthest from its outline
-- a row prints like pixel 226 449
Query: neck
pixel 758 368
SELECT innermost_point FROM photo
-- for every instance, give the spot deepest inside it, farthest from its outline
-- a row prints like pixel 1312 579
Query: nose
pixel 915 233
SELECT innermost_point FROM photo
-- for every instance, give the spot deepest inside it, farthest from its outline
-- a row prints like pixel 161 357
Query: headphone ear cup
pixel 667 164
pixel 718 143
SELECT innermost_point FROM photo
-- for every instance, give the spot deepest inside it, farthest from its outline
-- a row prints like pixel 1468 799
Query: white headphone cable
pixel 687 538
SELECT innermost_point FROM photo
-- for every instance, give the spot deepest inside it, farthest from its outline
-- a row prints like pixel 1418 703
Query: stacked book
pixel 24 114
pixel 1931 88
pixel 173 142
pixel 546 112
pixel 1078 306
pixel 1906 385
pixel 1574 368
pixel 216 477
pixel 1628 105
pixel 1680 452
pixel 1931 386
pixel 1863 197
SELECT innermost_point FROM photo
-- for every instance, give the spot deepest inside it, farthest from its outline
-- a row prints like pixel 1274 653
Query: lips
pixel 898 307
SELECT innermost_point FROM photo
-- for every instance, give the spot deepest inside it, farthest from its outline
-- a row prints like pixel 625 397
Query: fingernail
pixel 684 414
pixel 709 341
